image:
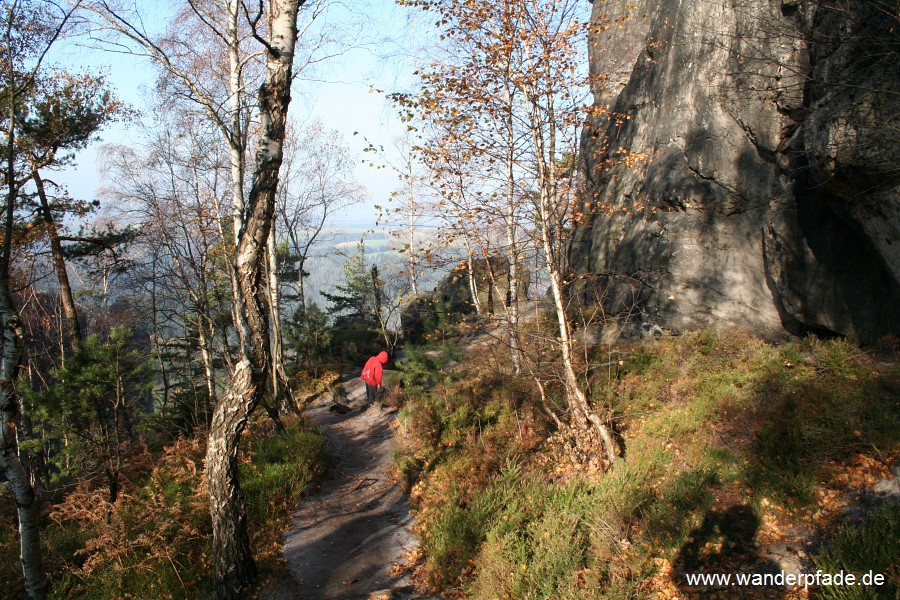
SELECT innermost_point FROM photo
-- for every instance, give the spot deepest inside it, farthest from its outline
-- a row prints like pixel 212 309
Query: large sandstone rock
pixel 452 296
pixel 760 188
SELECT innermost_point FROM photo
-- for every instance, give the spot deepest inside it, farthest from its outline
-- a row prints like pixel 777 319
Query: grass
pixel 273 482
pixel 728 439
pixel 157 544
pixel 867 548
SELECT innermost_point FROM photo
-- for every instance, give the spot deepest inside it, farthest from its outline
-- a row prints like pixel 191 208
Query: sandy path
pixel 348 534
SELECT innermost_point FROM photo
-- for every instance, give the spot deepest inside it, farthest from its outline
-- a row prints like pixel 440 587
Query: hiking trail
pixel 352 533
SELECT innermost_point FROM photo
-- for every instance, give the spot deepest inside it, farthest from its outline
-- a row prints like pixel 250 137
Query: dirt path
pixel 348 534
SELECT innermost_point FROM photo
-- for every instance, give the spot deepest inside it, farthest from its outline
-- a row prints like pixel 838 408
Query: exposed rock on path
pixel 348 535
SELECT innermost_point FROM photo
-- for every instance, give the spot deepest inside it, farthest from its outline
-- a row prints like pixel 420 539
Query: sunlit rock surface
pixel 743 167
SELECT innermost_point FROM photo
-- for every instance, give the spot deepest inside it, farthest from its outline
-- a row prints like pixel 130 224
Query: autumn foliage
pixel 155 543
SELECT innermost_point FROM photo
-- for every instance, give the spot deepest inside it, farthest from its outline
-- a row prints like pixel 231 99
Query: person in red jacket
pixel 372 374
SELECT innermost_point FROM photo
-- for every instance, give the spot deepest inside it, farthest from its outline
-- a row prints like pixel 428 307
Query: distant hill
pixel 335 244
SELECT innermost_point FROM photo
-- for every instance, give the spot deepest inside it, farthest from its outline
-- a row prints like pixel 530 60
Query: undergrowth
pixel 156 543
pixel 730 442
pixel 867 548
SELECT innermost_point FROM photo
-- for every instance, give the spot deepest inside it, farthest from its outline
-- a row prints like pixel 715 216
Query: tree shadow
pixel 804 420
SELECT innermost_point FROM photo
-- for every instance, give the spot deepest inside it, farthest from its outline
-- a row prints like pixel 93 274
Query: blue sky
pixel 339 92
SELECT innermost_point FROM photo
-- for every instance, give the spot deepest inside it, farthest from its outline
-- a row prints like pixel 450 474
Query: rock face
pixel 743 166
pixel 452 296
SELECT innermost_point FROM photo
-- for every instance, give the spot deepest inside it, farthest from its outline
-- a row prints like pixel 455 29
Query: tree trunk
pixel 490 298
pixel 512 309
pixel 470 263
pixel 473 283
pixel 226 351
pixel 581 411
pixel 154 314
pixel 23 493
pixel 411 237
pixel 542 123
pixel 377 292
pixel 282 398
pixel 234 567
pixel 70 314
pixel 10 360
pixel 204 339
pixel 236 139
pixel 300 289
pixel 512 253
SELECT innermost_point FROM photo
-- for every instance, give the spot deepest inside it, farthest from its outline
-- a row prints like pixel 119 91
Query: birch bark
pixel 233 563
pixel 23 493
pixel 281 391
pixel 10 361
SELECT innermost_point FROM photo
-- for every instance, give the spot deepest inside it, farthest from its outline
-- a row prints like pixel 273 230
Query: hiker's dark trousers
pixel 371 393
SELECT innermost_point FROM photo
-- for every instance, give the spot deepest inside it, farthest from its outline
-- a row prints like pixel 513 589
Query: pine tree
pixel 354 298
pixel 308 335
pixel 94 404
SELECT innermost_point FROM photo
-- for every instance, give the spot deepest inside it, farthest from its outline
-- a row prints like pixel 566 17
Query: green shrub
pixel 418 368
pixel 535 538
pixel 452 540
pixel 281 468
pixel 871 546
pixel 713 423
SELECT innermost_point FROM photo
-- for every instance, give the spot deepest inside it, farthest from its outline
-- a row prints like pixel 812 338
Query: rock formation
pixel 743 165
pixel 452 296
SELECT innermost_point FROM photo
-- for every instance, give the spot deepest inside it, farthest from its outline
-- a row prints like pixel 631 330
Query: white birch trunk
pixel 512 252
pixel 204 339
pixel 411 234
pixel 281 393
pixel 23 492
pixel 10 359
pixel 545 151
pixel 234 567
pixel 473 283
pixel 512 306
pixel 236 142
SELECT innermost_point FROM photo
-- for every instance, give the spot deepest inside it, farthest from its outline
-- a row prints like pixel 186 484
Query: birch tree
pixel 271 30
pixel 514 71
pixel 545 75
pixel 172 185
pixel 210 55
pixel 407 209
pixel 234 565
pixel 470 110
pixel 29 30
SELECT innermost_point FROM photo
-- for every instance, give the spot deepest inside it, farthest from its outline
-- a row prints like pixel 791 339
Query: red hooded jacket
pixel 373 370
